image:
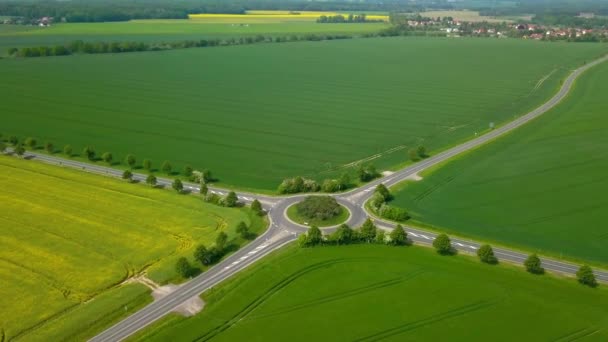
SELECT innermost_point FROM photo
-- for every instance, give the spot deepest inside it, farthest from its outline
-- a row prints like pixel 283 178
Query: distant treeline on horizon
pixel 124 10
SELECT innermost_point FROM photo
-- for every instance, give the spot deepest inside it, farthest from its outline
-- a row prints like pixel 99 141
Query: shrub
pixel 393 213
pixel 380 237
pixel 298 184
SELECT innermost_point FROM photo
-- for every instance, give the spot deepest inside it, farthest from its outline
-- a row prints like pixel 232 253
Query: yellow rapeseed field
pixel 269 16
pixel 67 236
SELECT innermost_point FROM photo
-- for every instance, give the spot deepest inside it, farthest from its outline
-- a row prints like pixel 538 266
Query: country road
pixel 283 231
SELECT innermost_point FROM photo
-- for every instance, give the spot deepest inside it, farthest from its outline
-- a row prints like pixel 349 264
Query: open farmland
pixel 542 187
pixel 68 237
pixel 168 30
pixel 257 114
pixel 370 293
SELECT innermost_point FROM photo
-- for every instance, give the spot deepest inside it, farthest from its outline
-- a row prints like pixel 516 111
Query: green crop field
pixel 257 114
pixel 165 31
pixel 543 187
pixel 371 293
pixel 68 237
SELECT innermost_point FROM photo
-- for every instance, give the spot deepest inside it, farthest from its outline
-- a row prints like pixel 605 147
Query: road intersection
pixel 282 231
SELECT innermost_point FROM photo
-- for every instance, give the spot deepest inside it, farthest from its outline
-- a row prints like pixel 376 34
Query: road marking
pixel 252 252
pixel 425 237
pixel 414 234
pixel 472 247
pixel 243 257
pixel 458 244
pixel 234 263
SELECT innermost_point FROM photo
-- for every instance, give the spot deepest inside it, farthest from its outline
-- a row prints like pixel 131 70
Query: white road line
pixel 414 234
pixel 243 257
pixel 425 237
pixel 458 244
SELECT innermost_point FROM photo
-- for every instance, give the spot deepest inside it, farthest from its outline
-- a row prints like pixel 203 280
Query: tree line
pixel 379 205
pixel 207 256
pixel 369 233
pixel 123 10
pixel 81 47
pixel 365 173
pixel 351 18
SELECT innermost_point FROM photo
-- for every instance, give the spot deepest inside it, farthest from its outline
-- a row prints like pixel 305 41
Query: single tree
pixel 183 267
pixel 412 154
pixel 13 140
pixel 130 160
pixel 107 157
pixel 380 236
pixel 231 199
pixel 344 181
pixel 314 236
pixel 151 180
pixel 188 171
pixel 221 240
pixel 368 230
pixel 89 152
pixel 256 207
pixel 383 191
pixel 398 236
pixel 2 147
pixel 533 264
pixel 127 175
pixel 147 164
pixel 49 147
pixel 166 167
pixel 67 150
pixel 19 150
pixel 343 235
pixel 206 175
pixel 30 142
pixel 421 151
pixel 200 254
pixel 242 230
pixel 442 244
pixel 486 254
pixel 586 277
pixel 177 185
pixel 203 189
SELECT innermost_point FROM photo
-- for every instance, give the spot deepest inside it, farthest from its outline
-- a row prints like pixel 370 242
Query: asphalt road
pixel 283 231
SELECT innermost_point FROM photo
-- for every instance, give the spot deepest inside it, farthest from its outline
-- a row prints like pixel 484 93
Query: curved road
pixel 283 231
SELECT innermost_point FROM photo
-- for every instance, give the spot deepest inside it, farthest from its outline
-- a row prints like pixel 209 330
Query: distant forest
pixel 123 10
